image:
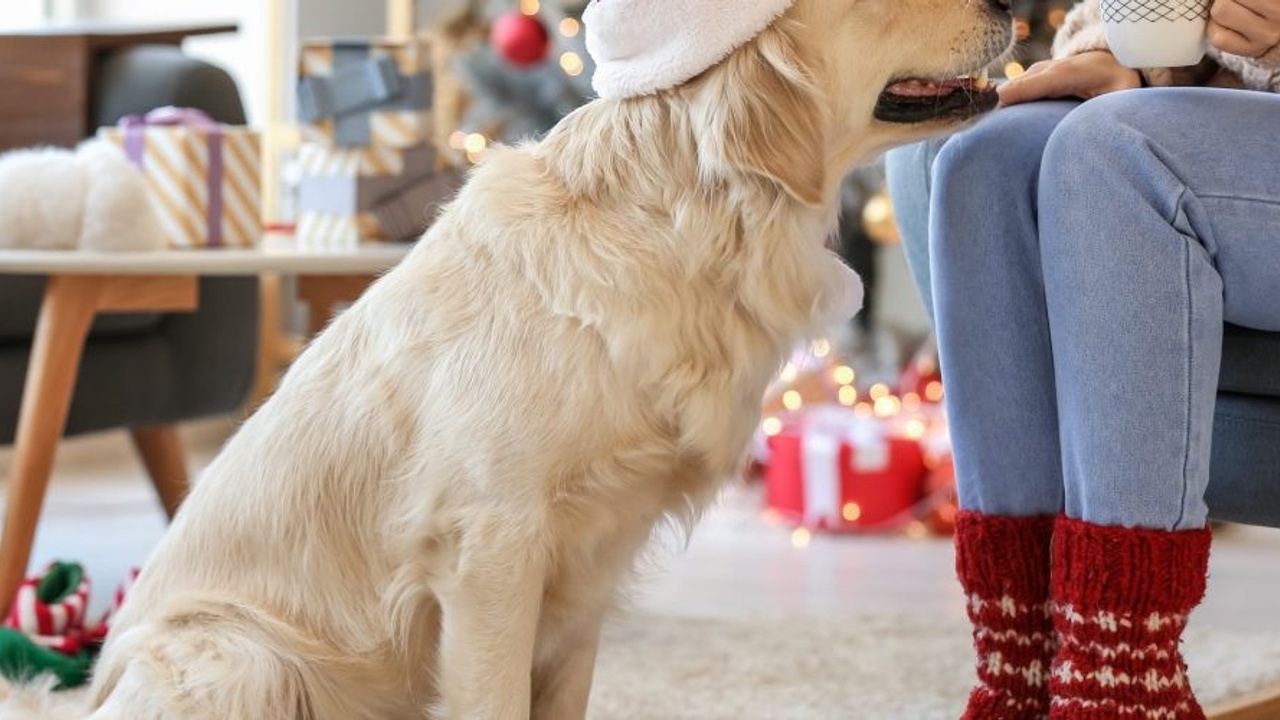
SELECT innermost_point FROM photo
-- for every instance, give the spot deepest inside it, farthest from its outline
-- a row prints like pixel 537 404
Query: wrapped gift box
pixel 831 469
pixel 407 213
pixel 344 181
pixel 365 92
pixel 340 190
pixel 204 179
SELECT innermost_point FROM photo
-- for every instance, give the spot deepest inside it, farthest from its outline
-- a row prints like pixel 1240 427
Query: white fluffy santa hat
pixel 643 46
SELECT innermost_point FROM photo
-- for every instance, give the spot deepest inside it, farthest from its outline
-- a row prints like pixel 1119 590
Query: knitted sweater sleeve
pixel 1081 31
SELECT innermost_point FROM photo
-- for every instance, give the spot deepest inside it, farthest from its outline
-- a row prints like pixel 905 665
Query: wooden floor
pixel 102 512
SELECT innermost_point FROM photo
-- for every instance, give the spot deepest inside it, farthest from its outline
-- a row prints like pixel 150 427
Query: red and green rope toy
pixel 46 633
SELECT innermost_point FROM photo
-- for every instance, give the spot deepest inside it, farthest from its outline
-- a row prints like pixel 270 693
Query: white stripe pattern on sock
pixel 1127 711
pixel 1107 676
pixel 1034 673
pixel 1009 607
pixel 1112 622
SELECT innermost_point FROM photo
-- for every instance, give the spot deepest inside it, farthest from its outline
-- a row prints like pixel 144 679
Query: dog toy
pixel 90 198
pixel 46 633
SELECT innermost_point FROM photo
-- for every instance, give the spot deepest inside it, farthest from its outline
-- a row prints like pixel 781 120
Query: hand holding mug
pixel 1244 27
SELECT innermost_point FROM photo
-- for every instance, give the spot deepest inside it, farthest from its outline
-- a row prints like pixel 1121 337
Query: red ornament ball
pixel 520 39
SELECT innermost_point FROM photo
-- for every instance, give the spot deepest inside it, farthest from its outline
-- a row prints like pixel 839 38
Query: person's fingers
pixel 1031 83
pixel 1037 68
pixel 1241 29
pixel 1231 41
pixel 1084 76
pixel 1035 86
pixel 1267 9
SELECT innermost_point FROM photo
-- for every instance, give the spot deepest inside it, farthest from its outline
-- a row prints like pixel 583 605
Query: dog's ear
pixel 771 121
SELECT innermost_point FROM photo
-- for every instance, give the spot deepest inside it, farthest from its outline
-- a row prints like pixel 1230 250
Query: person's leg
pixel 1151 202
pixel 996 362
pixel 992 325
pixel 909 177
pixel 1160 218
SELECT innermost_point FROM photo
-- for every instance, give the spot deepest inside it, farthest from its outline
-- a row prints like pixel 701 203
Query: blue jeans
pixel 1080 260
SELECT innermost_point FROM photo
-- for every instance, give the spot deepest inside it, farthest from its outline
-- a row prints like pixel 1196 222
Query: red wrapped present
pixel 833 469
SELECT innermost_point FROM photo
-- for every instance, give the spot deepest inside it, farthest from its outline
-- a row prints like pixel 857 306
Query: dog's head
pixel 834 83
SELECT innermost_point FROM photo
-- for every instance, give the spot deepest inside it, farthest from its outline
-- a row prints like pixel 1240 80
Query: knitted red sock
pixel 1121 600
pixel 1003 566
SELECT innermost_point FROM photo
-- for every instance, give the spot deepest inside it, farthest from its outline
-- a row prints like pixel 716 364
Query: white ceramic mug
pixel 1156 33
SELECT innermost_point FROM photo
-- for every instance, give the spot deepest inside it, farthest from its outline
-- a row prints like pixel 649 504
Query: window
pixel 23 13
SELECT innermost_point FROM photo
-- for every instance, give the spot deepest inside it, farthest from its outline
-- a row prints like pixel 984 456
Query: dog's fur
pixel 433 513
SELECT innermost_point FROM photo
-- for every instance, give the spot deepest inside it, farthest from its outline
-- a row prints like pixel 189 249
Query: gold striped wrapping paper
pixel 379 161
pixel 336 231
pixel 388 127
pixel 176 164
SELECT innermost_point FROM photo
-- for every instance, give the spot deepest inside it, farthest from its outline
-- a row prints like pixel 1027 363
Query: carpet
pixel 855 668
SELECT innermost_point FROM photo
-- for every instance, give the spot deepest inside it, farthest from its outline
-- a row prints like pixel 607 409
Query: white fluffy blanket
pixel 91 198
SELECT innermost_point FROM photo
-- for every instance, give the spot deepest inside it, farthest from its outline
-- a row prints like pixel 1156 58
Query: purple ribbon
pixel 135 126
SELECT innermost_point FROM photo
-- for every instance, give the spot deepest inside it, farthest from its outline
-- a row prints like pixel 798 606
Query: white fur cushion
pixel 92 198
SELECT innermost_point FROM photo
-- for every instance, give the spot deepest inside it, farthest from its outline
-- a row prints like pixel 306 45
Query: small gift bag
pixel 203 178
pixel 365 92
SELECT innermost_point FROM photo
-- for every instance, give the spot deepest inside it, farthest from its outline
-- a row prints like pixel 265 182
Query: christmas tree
pixel 521 67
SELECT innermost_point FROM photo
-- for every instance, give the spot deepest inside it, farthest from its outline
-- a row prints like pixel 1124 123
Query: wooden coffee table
pixel 83 285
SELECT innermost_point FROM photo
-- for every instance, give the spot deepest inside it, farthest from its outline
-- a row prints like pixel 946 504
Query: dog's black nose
pixel 1002 5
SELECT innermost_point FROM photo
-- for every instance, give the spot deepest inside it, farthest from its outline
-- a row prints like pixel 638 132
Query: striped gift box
pixel 339 189
pixel 322 160
pixel 205 180
pixel 369 92
pixel 336 231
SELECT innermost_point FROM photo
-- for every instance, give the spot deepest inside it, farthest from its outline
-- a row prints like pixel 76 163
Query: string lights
pixel 818 395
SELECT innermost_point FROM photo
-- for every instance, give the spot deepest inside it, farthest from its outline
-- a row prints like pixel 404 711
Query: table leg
pixel 70 304
pixel 161 449
pixel 322 292
pixel 269 341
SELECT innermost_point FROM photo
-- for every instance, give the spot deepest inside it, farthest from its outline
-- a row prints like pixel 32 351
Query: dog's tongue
pixel 918 88
pixel 927 88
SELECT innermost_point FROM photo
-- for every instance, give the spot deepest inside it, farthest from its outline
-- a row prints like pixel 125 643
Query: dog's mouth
pixel 917 100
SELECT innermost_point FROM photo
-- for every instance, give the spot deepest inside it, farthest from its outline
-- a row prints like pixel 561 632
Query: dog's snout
pixel 1002 5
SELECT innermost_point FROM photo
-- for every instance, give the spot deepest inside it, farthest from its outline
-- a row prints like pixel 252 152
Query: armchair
pixel 141 372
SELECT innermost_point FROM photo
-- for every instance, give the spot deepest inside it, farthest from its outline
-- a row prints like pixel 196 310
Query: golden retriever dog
pixel 433 514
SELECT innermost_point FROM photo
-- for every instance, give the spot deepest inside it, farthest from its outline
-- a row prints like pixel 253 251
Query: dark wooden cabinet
pixel 47 77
